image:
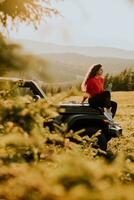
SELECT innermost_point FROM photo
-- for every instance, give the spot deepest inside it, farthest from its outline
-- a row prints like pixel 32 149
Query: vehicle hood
pixel 78 109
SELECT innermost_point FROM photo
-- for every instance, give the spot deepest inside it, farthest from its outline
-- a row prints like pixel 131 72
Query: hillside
pixel 68 63
pixel 45 48
pixel 67 67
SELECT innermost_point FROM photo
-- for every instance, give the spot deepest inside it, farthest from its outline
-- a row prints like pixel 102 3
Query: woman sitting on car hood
pixel 93 88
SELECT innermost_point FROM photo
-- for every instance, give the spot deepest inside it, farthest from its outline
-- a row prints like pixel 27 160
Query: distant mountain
pixel 69 63
pixel 45 48
pixel 74 66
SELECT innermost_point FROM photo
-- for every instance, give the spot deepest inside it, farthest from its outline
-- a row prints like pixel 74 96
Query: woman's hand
pixel 85 96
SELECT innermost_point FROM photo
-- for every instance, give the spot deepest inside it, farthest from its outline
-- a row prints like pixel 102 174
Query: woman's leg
pixel 101 100
pixel 113 108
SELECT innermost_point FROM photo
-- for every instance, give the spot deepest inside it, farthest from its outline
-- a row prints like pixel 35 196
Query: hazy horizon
pixel 62 44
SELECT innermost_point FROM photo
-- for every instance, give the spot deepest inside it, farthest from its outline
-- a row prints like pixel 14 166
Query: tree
pixel 30 11
pixel 123 81
pixel 14 62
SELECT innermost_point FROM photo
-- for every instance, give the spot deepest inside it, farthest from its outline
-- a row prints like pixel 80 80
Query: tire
pixel 90 130
pixel 102 141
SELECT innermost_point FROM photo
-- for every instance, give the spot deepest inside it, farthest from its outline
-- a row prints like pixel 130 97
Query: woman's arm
pixel 86 95
pixel 83 85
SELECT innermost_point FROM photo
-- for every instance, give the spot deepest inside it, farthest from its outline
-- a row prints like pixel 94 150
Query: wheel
pixel 90 128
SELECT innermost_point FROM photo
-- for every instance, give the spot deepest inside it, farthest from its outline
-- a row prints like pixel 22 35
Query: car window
pixel 22 91
pixel 14 88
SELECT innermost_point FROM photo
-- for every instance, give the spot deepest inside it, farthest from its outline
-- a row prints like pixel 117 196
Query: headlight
pixel 115 130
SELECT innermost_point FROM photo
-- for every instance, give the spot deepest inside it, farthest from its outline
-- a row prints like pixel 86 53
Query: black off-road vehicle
pixel 76 116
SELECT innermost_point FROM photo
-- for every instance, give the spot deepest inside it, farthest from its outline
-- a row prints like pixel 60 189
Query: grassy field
pixel 125 112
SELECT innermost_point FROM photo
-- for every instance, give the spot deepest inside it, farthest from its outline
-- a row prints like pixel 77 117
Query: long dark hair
pixel 94 70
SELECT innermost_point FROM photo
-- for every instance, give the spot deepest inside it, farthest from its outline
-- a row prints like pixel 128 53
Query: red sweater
pixel 95 85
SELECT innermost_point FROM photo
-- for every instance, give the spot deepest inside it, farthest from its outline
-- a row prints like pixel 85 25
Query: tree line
pixel 124 81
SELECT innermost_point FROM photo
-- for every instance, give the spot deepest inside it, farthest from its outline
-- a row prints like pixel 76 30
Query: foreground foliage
pixel 38 164
pixel 14 62
pixel 30 11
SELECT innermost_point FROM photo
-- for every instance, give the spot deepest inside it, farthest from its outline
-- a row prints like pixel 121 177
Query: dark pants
pixel 103 100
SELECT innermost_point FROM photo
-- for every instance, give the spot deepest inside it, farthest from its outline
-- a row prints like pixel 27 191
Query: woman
pixel 93 85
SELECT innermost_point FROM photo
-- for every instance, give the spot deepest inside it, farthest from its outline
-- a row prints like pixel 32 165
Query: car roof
pixel 13 79
pixel 27 83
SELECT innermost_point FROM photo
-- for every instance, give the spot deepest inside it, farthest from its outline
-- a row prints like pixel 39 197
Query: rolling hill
pixel 45 48
pixel 67 63
pixel 67 67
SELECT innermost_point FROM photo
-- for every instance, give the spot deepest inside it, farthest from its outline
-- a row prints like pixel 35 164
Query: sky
pixel 107 23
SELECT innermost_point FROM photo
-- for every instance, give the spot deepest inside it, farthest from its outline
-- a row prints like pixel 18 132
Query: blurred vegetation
pixel 29 11
pixel 16 63
pixel 13 61
pixel 37 163
pixel 58 87
pixel 123 81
